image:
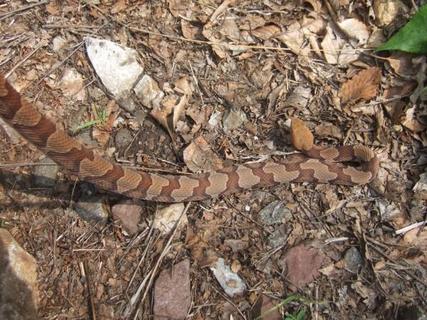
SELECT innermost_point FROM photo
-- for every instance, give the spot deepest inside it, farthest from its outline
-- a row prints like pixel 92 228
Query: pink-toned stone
pixel 128 214
pixel 172 296
pixel 18 280
pixel 302 264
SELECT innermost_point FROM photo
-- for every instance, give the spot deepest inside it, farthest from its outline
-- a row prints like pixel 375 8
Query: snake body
pixel 315 164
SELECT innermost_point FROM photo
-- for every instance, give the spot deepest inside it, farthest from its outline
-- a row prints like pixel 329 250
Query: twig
pixel 25 164
pixel 30 6
pixel 410 227
pixel 230 302
pixel 147 282
pixel 144 254
pixel 91 304
pixel 57 65
pixel 387 257
pixel 339 239
pixel 23 60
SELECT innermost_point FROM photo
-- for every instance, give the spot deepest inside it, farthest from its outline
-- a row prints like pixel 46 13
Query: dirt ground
pixel 333 252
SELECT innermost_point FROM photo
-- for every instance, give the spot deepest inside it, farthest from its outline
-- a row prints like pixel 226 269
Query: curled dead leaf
pixel 162 113
pixel 363 85
pixel 183 85
pixel 189 31
pixel 267 31
pixel 198 156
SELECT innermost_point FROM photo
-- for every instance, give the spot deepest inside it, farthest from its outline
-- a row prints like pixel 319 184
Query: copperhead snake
pixel 314 164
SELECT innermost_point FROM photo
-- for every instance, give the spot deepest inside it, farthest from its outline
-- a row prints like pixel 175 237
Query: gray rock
pixel 233 120
pixel 123 138
pixel 45 173
pixel 92 209
pixel 278 237
pixel 353 259
pixel 274 213
pixel 148 92
pixel 18 280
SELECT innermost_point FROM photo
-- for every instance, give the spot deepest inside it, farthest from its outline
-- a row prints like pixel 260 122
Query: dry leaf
pixel 162 113
pixel 72 85
pixel 364 86
pixel 355 29
pixel 120 5
pixel 101 133
pixel 198 156
pixel 328 130
pixel 266 32
pixel 336 50
pixel 179 109
pixel 402 64
pixel 302 138
pixel 183 85
pixel 416 237
pixel 316 4
pixel 166 218
pixel 411 122
pixel 293 38
pixel 386 11
pixel 189 31
pixel 53 9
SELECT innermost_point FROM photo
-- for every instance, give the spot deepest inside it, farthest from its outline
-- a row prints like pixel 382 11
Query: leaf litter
pixel 223 79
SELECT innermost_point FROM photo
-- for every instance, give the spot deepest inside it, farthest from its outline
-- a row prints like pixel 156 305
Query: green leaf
pixel 412 37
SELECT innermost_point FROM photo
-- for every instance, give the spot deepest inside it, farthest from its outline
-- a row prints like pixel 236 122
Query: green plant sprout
pixel 100 118
pixel 298 315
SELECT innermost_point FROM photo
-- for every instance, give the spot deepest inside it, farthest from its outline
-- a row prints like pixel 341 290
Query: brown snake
pixel 315 164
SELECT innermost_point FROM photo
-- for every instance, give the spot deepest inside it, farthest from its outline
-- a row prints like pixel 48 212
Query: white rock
pixel 232 284
pixel 148 91
pixel 116 66
pixel 165 219
pixel 72 85
pixel 420 188
pixel 58 43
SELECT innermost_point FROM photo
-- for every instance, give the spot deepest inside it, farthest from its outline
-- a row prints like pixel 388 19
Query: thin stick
pixel 410 227
pixel 25 164
pixel 159 261
pixel 9 14
pixel 23 60
pixel 91 304
pixel 56 66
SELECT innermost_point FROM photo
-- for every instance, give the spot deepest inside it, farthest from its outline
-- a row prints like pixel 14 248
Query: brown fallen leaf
pixel 363 85
pixel 189 31
pixel 267 31
pixel 198 156
pixel 416 237
pixel 119 6
pixel 266 308
pixel 102 131
pixel 302 138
